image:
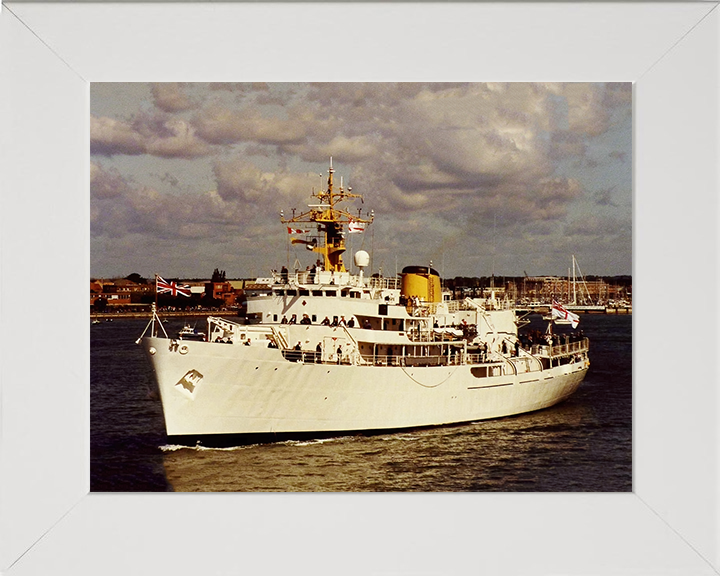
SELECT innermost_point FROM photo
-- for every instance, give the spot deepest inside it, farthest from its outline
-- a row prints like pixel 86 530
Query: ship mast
pixel 330 221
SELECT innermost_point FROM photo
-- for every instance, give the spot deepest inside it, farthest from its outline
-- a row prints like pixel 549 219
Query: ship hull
pixel 212 390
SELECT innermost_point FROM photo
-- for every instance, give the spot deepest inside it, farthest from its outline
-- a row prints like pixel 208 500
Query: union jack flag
pixel 163 286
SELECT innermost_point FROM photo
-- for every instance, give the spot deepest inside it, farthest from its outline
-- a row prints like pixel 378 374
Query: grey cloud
pixel 145 211
pixel 352 149
pixel 226 86
pixel 109 137
pixel 157 135
pixel 183 143
pixel 512 206
pixel 605 197
pixel 374 94
pixel 618 94
pixel 169 137
pixel 107 183
pixel 587 113
pixel 170 179
pixel 120 207
pixel 240 89
pixel 598 225
pixel 238 180
pixel 563 144
pixel 170 97
pixel 221 125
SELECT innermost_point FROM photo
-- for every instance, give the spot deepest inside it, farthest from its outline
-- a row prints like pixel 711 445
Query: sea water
pixel 583 444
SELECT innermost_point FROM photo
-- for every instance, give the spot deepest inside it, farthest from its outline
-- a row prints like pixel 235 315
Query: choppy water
pixel 583 444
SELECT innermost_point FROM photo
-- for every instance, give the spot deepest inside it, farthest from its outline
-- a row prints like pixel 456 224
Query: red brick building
pixel 229 292
pixel 120 292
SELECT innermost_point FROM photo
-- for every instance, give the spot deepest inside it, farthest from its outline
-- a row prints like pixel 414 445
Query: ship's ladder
pixel 525 354
pixel 521 360
pixel 354 352
pixel 470 302
pixel 490 325
pixel 350 347
pixel 221 323
pixel 280 338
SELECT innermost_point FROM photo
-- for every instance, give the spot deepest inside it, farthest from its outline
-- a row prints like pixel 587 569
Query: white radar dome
pixel 362 258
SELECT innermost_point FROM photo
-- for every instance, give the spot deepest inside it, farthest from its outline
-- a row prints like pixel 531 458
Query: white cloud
pixel 109 136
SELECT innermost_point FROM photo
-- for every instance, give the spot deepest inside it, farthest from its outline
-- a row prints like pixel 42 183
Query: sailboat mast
pixel 574 292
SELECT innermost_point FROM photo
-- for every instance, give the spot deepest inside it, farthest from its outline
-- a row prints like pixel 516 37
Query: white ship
pixel 326 352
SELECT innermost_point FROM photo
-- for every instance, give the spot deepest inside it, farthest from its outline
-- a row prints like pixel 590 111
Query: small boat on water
pixel 324 351
pixel 191 333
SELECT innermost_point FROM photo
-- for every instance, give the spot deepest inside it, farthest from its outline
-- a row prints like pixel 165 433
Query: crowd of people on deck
pixel 334 323
pixel 311 272
pixel 298 354
pixel 536 337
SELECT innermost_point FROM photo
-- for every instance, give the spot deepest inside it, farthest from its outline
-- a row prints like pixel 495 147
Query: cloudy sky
pixel 477 178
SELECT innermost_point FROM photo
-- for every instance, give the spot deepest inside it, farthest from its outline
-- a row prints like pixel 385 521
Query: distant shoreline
pixel 233 313
pixel 162 314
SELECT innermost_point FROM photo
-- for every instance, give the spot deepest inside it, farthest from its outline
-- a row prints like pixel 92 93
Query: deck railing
pixel 333 278
pixel 452 359
pixel 374 359
pixel 560 349
pixel 302 356
pixel 409 361
pixel 384 283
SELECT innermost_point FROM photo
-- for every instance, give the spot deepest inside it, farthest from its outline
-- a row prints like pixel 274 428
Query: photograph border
pixel 49 54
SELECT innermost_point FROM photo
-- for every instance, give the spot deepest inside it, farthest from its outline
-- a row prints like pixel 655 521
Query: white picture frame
pixel 50 523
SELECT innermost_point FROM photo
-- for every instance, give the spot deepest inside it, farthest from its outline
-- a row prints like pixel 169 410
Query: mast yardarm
pixel 331 221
